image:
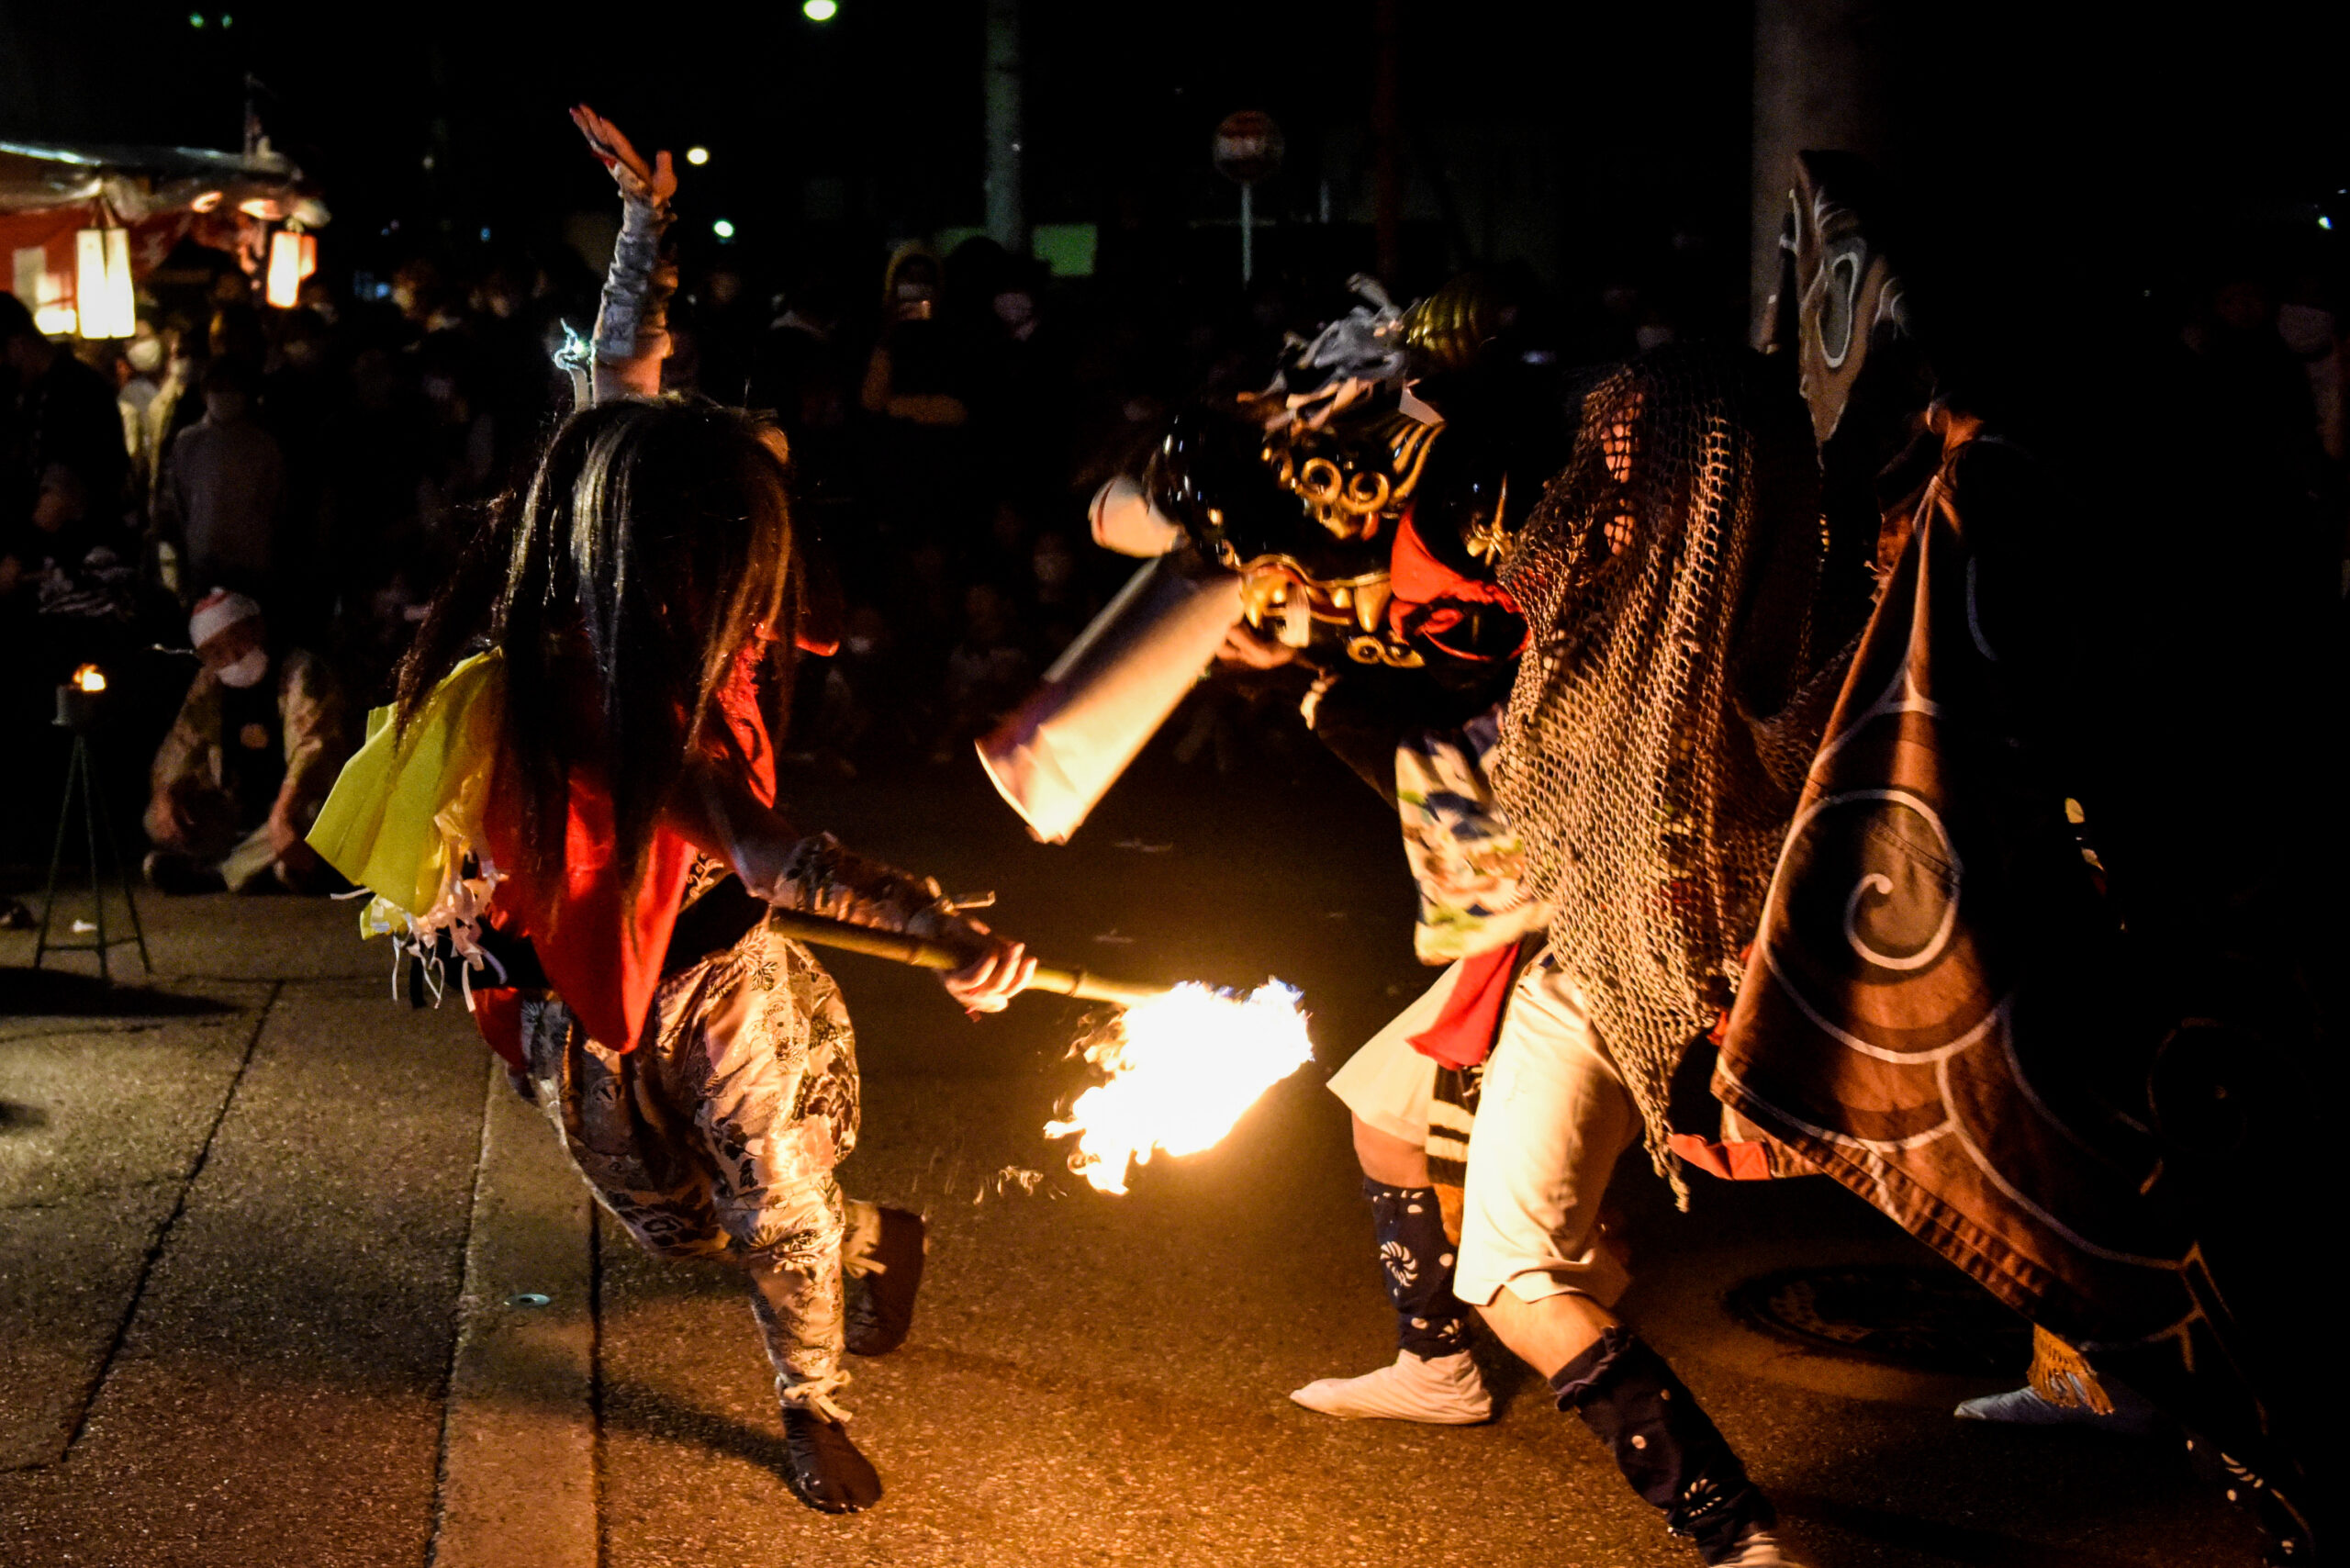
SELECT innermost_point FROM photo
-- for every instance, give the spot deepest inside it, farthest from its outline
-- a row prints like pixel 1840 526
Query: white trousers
pixel 1552 1119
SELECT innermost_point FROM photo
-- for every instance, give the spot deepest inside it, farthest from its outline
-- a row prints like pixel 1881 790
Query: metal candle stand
pixel 77 710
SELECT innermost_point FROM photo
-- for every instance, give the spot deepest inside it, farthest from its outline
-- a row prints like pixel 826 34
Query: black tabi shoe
pixel 882 1265
pixel 827 1472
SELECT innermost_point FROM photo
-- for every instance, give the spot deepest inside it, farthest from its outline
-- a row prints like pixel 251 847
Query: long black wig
pixel 651 544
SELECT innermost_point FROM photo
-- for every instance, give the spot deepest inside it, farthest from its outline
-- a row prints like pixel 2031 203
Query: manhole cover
pixel 1927 1321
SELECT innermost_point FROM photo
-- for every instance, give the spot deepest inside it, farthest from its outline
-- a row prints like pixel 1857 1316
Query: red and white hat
pixel 215 612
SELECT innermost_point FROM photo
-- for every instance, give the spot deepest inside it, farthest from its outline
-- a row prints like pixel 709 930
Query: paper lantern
pixel 292 257
pixel 102 293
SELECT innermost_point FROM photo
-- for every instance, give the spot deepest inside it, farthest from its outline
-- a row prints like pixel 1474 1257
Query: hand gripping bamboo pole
pixel 903 949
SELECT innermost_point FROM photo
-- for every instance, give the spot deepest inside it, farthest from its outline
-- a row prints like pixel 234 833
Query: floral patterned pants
pixel 717 1135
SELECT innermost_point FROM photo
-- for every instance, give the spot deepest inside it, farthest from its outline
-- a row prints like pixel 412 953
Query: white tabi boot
pixel 1758 1550
pixel 1445 1392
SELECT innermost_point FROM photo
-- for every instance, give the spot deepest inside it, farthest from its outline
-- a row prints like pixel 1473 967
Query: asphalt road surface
pixel 239 1206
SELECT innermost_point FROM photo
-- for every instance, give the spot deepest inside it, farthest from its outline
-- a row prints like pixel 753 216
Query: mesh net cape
pixel 1661 722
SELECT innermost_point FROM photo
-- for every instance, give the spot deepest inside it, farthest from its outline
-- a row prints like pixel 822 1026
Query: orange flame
pixel 1183 1068
pixel 89 678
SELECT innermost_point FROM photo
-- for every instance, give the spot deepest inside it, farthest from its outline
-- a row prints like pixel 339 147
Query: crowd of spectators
pixel 948 418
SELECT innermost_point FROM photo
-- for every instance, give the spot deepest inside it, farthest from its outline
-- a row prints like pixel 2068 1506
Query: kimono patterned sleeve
pixel 1463 852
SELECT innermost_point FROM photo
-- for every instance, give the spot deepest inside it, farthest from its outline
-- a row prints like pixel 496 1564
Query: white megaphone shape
pixel 1107 695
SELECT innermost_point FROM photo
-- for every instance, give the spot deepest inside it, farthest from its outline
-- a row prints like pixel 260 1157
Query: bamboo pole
pixel 902 949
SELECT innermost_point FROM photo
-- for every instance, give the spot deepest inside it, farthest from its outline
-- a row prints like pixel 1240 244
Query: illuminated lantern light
pixel 48 295
pixel 820 10
pixel 104 303
pixel 697 156
pixel 119 290
pixel 293 256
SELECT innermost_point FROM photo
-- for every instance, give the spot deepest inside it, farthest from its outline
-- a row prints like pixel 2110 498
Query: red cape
pixel 600 936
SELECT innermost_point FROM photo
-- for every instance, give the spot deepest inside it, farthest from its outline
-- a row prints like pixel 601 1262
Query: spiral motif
pixel 1876 885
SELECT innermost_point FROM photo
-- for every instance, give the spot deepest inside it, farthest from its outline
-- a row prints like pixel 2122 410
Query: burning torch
pixel 1184 1062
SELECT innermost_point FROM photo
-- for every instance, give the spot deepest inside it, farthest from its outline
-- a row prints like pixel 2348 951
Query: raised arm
pixel 633 319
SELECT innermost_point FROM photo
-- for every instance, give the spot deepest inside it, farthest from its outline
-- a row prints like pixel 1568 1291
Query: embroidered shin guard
pixel 1667 1447
pixel 1417 1260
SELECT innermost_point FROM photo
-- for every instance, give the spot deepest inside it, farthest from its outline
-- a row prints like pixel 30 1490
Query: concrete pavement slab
pixel 244 937
pixel 68 1272
pixel 107 1104
pixel 102 1121
pixel 518 1460
pixel 277 1397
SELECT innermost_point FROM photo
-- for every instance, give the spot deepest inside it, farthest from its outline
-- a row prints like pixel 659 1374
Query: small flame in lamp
pixel 89 678
pixel 1183 1068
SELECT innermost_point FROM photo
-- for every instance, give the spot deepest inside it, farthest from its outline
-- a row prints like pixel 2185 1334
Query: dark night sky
pixel 1630 122
pixel 885 98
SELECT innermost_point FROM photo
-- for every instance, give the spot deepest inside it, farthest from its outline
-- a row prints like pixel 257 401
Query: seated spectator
pixel 248 763
pixel 224 487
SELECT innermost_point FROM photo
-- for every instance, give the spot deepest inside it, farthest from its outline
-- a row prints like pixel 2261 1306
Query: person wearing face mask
pixel 251 758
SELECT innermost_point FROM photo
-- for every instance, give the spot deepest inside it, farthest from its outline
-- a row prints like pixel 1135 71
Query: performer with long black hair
pixel 578 761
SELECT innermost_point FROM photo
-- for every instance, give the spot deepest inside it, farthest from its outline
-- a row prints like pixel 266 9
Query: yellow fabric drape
pixel 408 807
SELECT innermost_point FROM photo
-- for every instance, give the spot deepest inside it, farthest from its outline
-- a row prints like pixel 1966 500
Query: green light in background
pixel 724 228
pixel 1067 249
pixel 820 10
pixel 195 19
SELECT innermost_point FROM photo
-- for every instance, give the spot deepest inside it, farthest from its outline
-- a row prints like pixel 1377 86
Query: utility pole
pixel 1007 213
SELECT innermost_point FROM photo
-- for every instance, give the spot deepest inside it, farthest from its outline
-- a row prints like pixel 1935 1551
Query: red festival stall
pixel 82 225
